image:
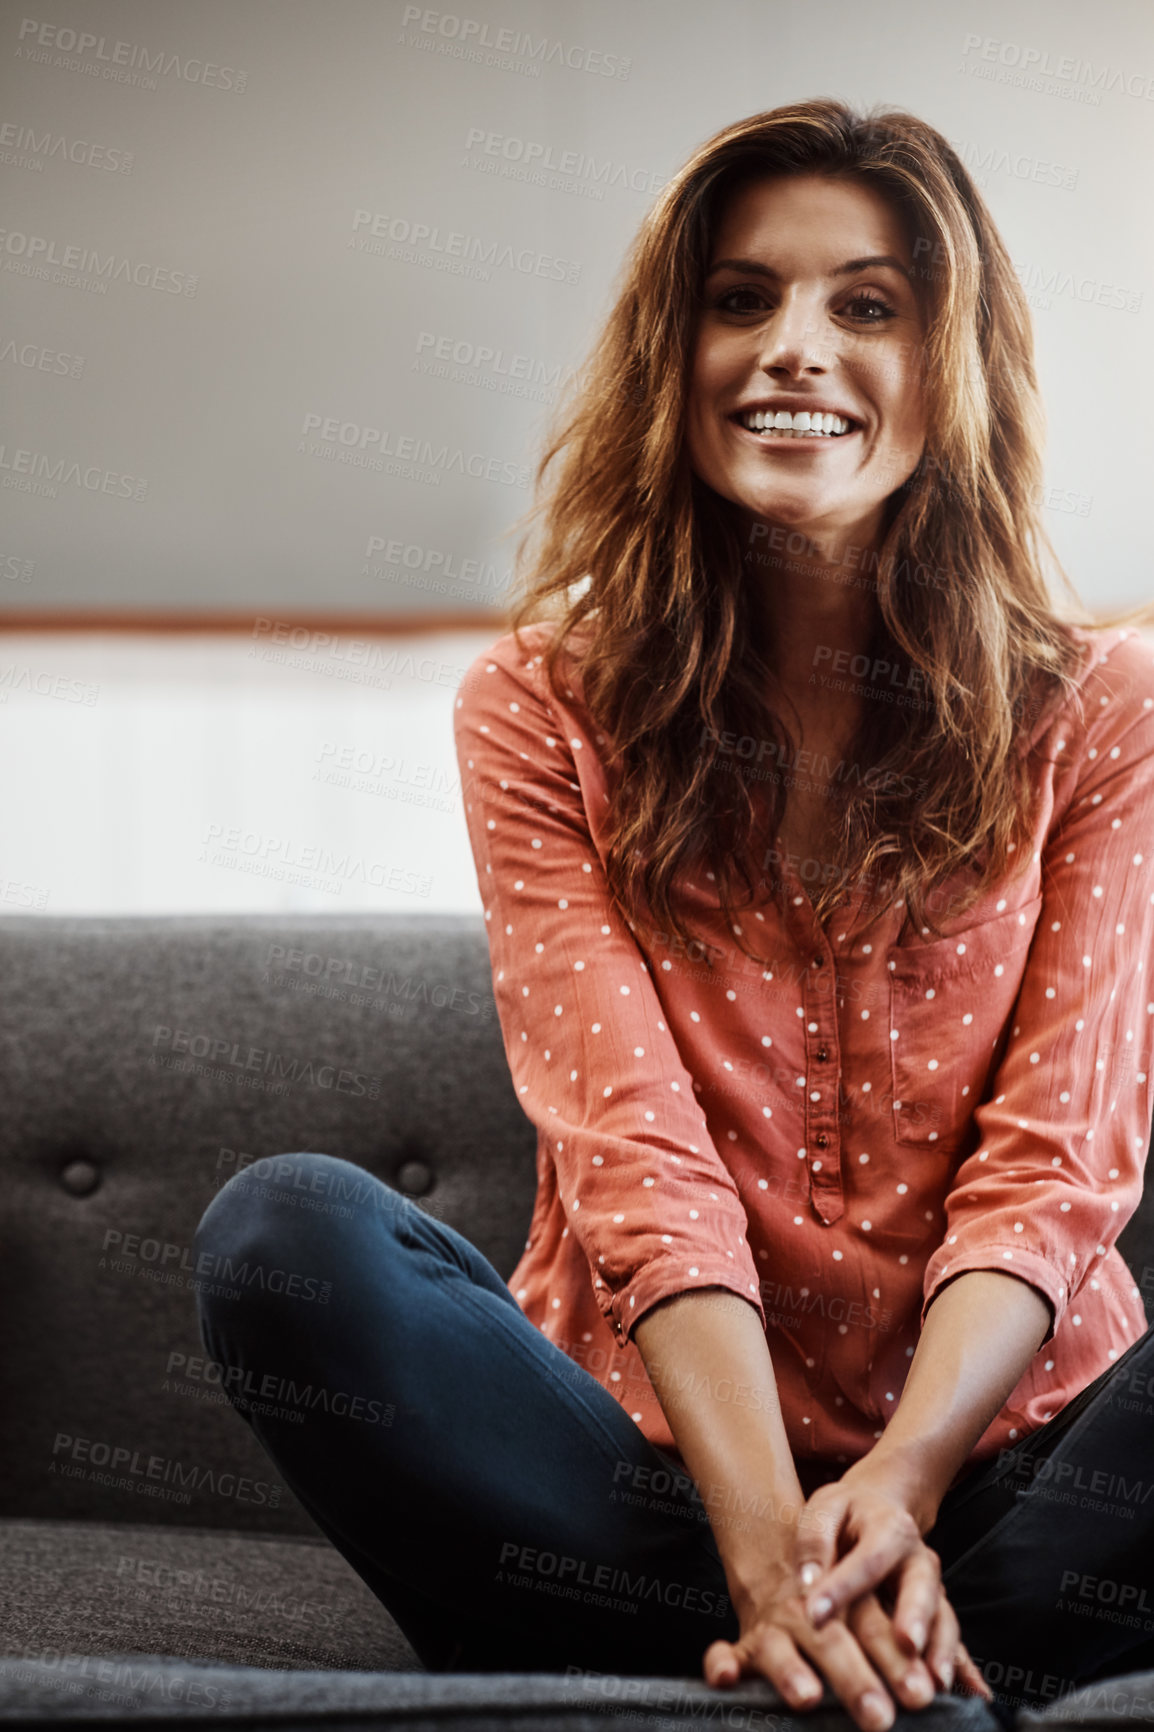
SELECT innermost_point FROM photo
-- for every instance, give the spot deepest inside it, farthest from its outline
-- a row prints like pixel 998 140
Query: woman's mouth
pixel 800 425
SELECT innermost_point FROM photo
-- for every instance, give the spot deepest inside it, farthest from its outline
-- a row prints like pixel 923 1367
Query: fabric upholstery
pixel 195 1594
pixel 142 1060
pixel 122 1688
pixel 382 1034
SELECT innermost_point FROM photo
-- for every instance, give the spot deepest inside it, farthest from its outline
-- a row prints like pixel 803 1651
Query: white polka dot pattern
pixel 833 1133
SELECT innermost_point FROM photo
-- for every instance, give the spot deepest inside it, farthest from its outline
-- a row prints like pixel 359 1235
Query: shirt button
pixel 822 1140
pixel 818 962
pixel 823 1053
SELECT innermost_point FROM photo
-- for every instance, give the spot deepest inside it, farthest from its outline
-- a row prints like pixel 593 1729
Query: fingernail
pixel 809 1574
pixel 918 1636
pixel 876 1709
pixel 819 1607
pixel 946 1672
pixel 918 1684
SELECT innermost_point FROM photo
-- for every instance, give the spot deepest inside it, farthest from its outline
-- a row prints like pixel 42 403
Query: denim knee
pixel 292 1194
pixel 270 1213
pixel 290 1231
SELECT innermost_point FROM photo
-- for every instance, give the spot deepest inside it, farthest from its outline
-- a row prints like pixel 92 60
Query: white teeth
pixel 800 421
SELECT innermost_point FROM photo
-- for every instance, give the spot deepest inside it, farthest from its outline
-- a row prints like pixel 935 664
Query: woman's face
pixel 808 305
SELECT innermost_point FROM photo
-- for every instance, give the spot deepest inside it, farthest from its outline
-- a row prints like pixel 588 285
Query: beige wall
pixel 285 308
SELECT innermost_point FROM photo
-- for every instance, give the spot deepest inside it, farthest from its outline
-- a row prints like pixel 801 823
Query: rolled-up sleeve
pixel 1063 1133
pixel 644 1190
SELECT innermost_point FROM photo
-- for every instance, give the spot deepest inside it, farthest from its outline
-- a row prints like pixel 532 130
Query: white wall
pixel 161 774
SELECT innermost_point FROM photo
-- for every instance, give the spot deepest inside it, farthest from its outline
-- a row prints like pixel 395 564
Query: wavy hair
pixel 644 572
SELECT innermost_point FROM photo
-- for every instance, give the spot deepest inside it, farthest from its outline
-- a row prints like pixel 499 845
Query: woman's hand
pixel 858 1656
pixel 866 1520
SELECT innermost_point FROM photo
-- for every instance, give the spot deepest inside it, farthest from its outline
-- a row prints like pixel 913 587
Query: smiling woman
pixel 811 834
pixel 807 317
pixel 809 255
pixel 809 648
pixel 819 457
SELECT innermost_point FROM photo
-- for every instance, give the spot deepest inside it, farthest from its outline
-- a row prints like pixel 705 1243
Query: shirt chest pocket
pixel 949 1004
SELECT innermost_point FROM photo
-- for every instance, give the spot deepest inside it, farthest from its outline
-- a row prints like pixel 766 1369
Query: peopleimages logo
pixel 24 147
pixel 222 1050
pixel 131 1254
pixel 606 1578
pixel 250 1388
pixel 45 685
pixel 123 62
pixel 31 254
pixel 398 237
pixel 44 472
pixel 585 173
pixel 343 439
pixel 489 367
pixel 127 1465
pixel 141 1578
pixel 1064 1479
pixel 1030 65
pixel 87 1675
pixel 285 860
pixel 501 45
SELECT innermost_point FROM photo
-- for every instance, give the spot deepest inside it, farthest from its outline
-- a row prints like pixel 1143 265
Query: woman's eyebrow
pixel 849 269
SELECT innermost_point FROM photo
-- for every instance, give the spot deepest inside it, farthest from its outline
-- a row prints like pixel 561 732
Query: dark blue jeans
pixel 512 1517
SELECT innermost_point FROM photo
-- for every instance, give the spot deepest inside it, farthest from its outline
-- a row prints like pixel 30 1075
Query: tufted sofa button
pixel 415 1178
pixel 80 1177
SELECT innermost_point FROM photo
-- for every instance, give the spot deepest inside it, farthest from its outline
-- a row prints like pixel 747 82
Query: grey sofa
pixel 200 1589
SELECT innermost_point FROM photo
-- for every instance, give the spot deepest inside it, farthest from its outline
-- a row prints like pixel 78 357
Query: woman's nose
pixel 795 338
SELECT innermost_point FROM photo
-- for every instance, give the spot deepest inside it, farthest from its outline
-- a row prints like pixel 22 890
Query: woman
pixel 812 839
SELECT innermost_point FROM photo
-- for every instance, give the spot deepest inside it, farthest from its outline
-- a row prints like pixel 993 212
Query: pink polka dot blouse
pixel 835 1133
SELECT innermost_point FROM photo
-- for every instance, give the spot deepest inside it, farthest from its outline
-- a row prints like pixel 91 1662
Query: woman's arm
pixel 736 1450
pixel 694 1345
pixel 1058 1160
pixel 980 1334
pixel 631 1161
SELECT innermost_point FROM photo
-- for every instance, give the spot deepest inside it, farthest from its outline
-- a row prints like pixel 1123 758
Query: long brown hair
pixel 657 598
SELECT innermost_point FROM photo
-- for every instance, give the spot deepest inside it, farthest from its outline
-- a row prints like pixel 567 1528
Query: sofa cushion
pixel 1122 1701
pixel 131 1588
pixel 122 1688
pixel 147 1059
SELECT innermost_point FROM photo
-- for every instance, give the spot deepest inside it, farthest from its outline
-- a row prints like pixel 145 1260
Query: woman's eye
pixel 870 309
pixel 879 312
pixel 725 301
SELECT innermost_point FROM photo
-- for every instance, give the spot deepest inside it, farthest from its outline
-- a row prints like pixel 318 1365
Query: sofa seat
pixel 118 1621
pixel 99 1588
pixel 151 1689
pixel 128 1050
pixel 154 1688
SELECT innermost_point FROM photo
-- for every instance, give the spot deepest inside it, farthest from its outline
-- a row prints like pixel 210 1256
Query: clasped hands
pixel 856 1601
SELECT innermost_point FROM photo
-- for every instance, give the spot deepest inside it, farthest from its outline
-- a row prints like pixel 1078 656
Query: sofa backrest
pixel 142 1061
